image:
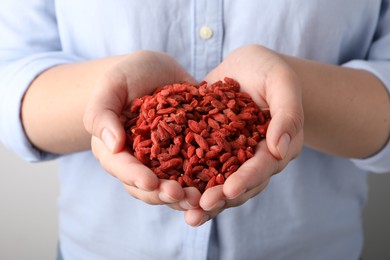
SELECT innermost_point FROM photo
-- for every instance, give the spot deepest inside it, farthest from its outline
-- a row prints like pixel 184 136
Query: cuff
pixel 381 69
pixel 380 162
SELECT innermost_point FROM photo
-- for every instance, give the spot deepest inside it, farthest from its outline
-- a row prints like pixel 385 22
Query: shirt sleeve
pixel 378 63
pixel 29 45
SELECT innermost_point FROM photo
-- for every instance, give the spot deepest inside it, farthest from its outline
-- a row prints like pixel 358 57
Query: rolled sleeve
pixel 30 44
pixel 380 162
pixel 381 69
pixel 378 63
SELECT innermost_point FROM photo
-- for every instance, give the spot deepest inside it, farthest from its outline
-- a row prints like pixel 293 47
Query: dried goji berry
pixel 197 135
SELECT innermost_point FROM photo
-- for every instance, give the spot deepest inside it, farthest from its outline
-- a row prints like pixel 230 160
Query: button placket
pixel 208 37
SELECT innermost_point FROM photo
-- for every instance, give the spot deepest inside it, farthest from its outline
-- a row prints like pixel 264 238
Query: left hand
pixel 272 84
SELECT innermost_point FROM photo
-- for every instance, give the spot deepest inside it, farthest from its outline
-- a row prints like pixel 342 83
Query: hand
pixel 136 75
pixel 272 84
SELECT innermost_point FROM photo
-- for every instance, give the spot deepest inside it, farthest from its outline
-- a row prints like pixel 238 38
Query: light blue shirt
pixel 311 210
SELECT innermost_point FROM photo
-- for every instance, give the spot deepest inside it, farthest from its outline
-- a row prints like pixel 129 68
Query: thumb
pixel 102 116
pixel 112 133
pixel 283 129
pixel 286 126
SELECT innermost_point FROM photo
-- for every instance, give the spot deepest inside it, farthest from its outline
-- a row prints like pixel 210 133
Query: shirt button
pixel 205 32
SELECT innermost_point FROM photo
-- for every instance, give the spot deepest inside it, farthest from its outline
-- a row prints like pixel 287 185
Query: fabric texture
pixel 311 210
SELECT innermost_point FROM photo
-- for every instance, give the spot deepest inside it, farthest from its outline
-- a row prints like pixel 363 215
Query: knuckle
pixel 89 120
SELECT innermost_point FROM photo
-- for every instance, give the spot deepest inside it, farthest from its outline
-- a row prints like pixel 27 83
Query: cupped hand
pixel 272 84
pixel 136 75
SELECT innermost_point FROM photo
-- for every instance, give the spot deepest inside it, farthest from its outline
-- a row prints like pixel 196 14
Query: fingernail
pixel 219 205
pixel 139 186
pixel 204 220
pixel 108 139
pixel 166 198
pixel 186 205
pixel 284 143
pixel 237 195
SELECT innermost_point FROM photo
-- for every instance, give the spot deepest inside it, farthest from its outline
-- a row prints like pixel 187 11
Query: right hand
pixel 136 75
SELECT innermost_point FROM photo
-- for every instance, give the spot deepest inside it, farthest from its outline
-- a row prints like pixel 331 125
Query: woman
pixel 68 70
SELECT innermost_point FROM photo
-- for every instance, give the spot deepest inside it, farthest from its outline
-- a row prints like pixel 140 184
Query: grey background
pixel 28 217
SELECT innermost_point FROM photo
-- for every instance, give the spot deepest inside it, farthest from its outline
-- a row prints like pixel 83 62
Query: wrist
pixel 53 106
pixel 338 103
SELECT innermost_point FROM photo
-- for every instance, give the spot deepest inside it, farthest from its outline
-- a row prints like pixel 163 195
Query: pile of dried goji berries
pixel 196 134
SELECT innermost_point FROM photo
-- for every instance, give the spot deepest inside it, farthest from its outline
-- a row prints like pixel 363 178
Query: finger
pixel 285 102
pixel 103 112
pixel 190 200
pixel 213 202
pixel 148 197
pixel 196 217
pixel 257 171
pixel 168 192
pixel 254 172
pixel 213 199
pixel 244 197
pixel 125 167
